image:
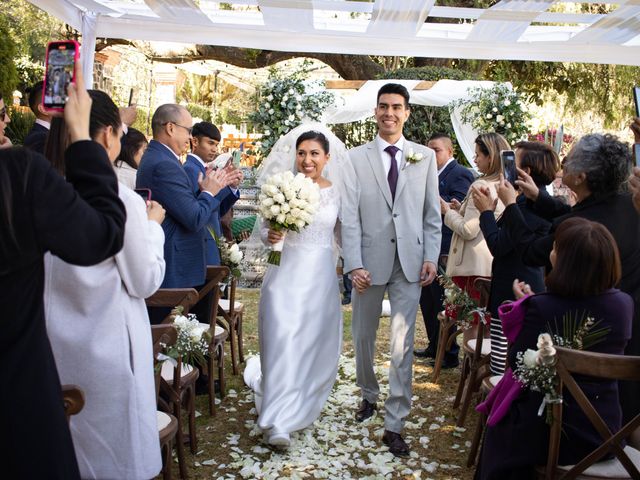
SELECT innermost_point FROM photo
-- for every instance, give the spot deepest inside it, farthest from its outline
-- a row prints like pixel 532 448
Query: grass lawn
pixel 336 446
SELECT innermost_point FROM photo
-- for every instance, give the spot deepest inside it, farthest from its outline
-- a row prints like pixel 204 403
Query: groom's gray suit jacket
pixel 374 226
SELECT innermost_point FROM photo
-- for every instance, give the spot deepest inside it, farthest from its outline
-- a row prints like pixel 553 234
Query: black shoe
pixel 365 411
pixel 397 446
pixel 446 364
pixel 346 300
pixel 424 353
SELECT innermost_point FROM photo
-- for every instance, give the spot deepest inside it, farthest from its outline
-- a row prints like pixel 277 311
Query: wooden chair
pixel 476 348
pixel 599 365
pixel 445 340
pixel 164 336
pixel 232 312
pixel 178 385
pixel 73 398
pixel 215 275
pixel 487 384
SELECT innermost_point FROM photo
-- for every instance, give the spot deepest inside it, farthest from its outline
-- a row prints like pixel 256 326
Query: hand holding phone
pixel 237 156
pixel 508 160
pixel 145 193
pixel 60 68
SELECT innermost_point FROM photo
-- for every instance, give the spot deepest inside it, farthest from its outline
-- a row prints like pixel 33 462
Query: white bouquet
pixel 287 202
pixel 193 339
pixel 230 253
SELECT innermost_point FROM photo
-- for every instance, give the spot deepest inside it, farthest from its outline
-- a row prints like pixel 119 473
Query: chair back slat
pixel 163 336
pixel 483 286
pixel 215 275
pixel 600 365
pixel 173 297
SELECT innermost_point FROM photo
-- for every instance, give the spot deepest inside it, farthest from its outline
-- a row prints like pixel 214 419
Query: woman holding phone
pixel 81 220
pixel 469 256
pixel 100 333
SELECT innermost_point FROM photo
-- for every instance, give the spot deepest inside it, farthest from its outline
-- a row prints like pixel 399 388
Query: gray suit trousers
pixel 404 297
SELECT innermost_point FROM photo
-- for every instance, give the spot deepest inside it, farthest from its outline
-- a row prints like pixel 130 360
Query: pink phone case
pixel 46 69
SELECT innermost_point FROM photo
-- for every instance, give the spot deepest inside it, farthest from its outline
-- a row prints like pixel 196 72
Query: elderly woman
pixel 469 256
pixel 595 169
pixel 586 268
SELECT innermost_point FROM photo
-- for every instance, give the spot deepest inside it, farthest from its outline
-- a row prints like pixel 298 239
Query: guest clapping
pixel 81 220
pixel 595 169
pixel 586 269
pixel 100 335
pixel 541 163
pixel 469 256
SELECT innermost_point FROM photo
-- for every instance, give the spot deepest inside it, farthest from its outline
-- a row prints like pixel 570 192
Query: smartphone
pixel 237 155
pixel 636 99
pixel 508 160
pixel 145 193
pixel 60 67
pixel 221 160
pixel 133 96
pixel 636 152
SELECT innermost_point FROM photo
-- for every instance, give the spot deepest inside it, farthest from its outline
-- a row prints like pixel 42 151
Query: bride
pixel 300 315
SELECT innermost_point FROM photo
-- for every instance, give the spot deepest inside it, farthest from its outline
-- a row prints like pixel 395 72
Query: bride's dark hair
pixel 313 135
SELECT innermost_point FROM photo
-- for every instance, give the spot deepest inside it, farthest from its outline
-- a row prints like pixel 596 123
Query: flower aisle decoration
pixel 193 339
pixel 459 306
pixel 287 202
pixel 536 369
pixel 498 109
pixel 230 253
pixel 284 101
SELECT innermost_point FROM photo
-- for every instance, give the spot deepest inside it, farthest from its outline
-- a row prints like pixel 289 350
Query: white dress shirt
pixel 440 170
pixel 386 158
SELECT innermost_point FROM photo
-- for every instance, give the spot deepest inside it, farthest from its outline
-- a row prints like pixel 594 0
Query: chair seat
pixel 167 371
pixel 608 468
pixel 224 304
pixel 494 379
pixel 164 420
pixel 486 346
pixel 217 331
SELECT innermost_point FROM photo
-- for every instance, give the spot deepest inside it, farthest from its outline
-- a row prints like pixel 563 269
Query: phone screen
pixel 636 152
pixel 636 99
pixel 60 67
pixel 145 193
pixel 508 158
pixel 237 155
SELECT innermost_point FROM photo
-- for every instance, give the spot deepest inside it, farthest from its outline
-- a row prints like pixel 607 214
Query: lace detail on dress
pixel 321 231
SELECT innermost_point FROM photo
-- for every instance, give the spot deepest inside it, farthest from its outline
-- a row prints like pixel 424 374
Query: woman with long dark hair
pixel 81 220
pixel 96 317
pixel 134 143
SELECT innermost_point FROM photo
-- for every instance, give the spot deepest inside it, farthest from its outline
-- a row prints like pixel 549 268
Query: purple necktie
pixel 392 176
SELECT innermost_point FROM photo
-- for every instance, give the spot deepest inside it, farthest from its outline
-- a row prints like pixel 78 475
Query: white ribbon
pixel 547 400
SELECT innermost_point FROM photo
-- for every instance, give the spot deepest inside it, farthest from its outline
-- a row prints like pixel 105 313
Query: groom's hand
pixel 361 279
pixel 428 273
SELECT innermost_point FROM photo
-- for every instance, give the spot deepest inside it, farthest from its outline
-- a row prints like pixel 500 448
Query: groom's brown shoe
pixel 395 442
pixel 365 411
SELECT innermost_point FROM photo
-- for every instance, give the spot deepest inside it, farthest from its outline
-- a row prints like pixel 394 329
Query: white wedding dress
pixel 300 328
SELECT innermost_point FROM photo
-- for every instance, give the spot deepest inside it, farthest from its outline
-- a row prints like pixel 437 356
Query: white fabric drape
pixel 361 105
pixel 87 51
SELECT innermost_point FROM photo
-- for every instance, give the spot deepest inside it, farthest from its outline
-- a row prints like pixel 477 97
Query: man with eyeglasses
pixel 187 210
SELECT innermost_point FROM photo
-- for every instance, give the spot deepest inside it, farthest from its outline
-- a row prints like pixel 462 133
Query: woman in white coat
pixel 469 256
pixel 100 332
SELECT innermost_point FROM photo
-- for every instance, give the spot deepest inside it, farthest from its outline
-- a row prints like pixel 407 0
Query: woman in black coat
pixel 586 268
pixel 596 170
pixel 81 220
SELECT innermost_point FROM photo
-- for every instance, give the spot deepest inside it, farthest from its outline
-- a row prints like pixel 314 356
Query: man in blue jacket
pixel 453 181
pixel 204 149
pixel 187 211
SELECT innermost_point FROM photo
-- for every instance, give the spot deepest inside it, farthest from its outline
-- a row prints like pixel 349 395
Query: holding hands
pixel 361 279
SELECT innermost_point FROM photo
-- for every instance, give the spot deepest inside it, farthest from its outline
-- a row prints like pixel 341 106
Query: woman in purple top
pixel 586 268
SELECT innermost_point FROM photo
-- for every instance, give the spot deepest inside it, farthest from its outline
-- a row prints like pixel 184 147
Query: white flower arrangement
pixel 193 339
pixel 287 202
pixel 230 254
pixel 414 157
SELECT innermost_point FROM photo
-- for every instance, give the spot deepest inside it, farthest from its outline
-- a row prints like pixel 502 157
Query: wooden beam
pixel 356 84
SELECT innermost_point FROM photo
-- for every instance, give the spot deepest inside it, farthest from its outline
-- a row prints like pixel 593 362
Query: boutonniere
pixel 414 157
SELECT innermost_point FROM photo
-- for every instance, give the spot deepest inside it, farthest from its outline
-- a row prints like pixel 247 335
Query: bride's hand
pixel 274 236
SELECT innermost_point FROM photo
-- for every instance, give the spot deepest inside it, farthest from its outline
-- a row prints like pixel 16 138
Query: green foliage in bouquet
pixel 283 102
pixel 498 109
pixel 459 306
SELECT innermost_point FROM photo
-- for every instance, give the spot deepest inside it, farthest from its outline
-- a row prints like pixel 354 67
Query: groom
pixel 391 242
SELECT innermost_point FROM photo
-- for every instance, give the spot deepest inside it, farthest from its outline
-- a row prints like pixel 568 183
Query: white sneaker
pixel 282 440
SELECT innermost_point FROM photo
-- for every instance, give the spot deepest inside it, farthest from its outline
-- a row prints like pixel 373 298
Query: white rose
pixel 267 202
pixel 507 102
pixel 285 208
pixel 267 132
pixel 283 104
pixel 300 224
pixel 286 122
pixel 508 125
pixel 270 97
pixel 196 335
pixel 236 257
pixel 271 110
pixel 499 118
pixel 292 117
pixel 530 358
pixel 495 109
pixel 489 115
pixel 278 198
pixel 281 218
pixel 267 105
pixel 285 98
pixel 275 209
pixel 502 124
pixel 234 248
pixel 292 91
